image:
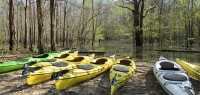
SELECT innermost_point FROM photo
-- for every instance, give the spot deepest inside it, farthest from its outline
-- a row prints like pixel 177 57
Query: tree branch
pixel 149 10
pixel 122 6
pixel 130 2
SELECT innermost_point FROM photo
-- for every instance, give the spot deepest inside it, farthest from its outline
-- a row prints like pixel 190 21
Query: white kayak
pixel 172 77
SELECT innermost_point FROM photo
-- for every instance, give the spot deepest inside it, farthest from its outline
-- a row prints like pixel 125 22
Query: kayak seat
pixel 41 56
pixel 100 61
pixel 125 62
pixel 77 59
pixel 63 56
pixel 60 64
pixel 85 67
pixel 167 66
pixel 121 69
pixel 21 60
pixel 175 77
pixel 49 60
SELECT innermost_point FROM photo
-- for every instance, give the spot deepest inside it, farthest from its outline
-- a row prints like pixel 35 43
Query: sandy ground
pixel 142 83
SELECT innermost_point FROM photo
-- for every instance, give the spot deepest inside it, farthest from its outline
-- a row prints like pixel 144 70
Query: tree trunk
pixel 41 43
pixel 30 28
pixel 65 6
pixel 198 33
pixel 17 28
pixel 52 14
pixel 138 33
pixel 34 19
pixel 83 25
pixel 136 23
pixel 11 25
pixel 93 25
pixel 67 32
pixel 141 23
pixel 57 23
pixel 60 21
pixel 25 38
pixel 20 36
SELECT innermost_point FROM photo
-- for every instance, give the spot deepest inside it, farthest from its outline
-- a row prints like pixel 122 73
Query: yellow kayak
pixel 49 62
pixel 67 78
pixel 191 69
pixel 120 73
pixel 40 74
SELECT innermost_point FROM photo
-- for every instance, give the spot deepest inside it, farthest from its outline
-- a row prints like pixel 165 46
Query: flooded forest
pixel 140 29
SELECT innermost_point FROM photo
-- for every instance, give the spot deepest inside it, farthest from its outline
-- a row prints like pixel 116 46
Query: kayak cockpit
pixel 42 56
pixel 168 66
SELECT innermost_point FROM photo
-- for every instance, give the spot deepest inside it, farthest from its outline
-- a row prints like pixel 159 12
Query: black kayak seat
pixel 63 56
pixel 100 61
pixel 41 56
pixel 121 69
pixel 60 64
pixel 49 60
pixel 174 77
pixel 77 59
pixel 125 62
pixel 167 66
pixel 85 67
pixel 21 60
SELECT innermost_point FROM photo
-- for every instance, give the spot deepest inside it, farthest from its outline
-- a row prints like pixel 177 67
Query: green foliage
pixel 99 34
pixel 197 14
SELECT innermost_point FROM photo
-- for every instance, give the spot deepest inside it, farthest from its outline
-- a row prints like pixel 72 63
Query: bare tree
pixel 41 43
pixel 30 28
pixel 34 22
pixel 25 39
pixel 56 5
pixel 11 25
pixel 17 26
pixel 93 24
pixel 64 36
pixel 52 14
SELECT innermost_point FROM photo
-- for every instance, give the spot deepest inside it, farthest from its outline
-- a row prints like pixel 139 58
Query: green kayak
pixel 20 63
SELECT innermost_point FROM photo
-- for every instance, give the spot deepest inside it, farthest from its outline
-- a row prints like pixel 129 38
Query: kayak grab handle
pixel 29 64
pixel 188 87
pixel 55 75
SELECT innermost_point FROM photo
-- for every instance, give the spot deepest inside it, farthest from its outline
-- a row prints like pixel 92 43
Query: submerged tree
pixel 138 16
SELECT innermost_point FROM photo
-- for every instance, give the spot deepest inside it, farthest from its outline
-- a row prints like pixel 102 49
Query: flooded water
pixel 143 54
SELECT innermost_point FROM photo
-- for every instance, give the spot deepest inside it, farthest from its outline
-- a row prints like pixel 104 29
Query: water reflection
pixel 143 54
